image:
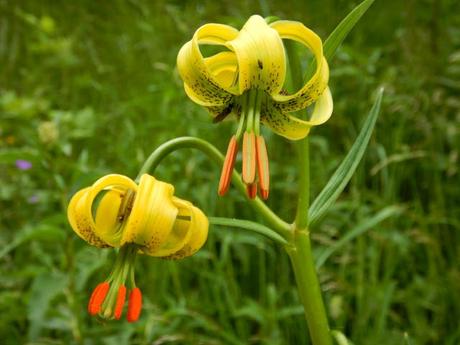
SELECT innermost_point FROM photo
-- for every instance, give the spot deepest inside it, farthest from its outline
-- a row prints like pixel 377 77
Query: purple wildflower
pixel 22 164
pixel 33 199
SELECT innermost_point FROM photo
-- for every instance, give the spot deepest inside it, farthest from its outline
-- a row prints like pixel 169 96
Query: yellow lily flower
pixel 137 218
pixel 247 79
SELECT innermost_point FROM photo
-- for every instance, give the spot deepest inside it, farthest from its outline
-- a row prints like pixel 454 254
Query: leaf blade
pixel 360 229
pixel 342 30
pixel 346 169
pixel 339 34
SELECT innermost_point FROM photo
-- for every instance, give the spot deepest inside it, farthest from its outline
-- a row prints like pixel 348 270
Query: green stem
pixel 249 225
pixel 309 288
pixel 276 223
pixel 303 198
pixel 299 249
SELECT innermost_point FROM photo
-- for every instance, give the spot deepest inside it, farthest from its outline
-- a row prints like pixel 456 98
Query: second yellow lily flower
pixel 147 218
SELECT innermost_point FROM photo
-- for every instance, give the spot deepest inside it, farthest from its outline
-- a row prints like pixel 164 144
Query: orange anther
pixel 97 298
pixel 249 158
pixel 120 302
pixel 227 169
pixel 262 167
pixel 134 305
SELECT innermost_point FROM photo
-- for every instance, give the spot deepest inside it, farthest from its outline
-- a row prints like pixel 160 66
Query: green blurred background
pixel 90 87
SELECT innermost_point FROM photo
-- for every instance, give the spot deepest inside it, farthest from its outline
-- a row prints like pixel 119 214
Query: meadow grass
pixel 89 88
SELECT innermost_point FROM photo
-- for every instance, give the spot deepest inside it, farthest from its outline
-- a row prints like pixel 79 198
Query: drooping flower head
pixel 247 79
pixel 137 218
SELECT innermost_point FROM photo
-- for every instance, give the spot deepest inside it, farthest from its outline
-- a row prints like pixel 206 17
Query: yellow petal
pixel 79 221
pixel 200 84
pixel 108 223
pixel 224 67
pixel 261 59
pixel 198 229
pixel 152 216
pixel 79 211
pixel 181 231
pixel 310 92
pixel 293 128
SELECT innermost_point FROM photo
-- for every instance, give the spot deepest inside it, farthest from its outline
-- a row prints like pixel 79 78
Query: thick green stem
pixel 309 289
pixel 276 223
pixel 303 198
pixel 303 166
pixel 299 249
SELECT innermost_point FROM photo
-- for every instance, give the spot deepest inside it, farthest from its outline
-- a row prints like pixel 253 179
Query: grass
pixel 88 89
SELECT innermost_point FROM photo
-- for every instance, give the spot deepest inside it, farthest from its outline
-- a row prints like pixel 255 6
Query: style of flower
pixel 247 79
pixel 137 218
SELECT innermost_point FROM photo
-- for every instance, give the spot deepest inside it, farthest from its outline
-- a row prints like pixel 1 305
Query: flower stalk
pixel 299 250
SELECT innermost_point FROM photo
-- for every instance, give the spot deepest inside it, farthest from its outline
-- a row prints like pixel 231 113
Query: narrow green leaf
pixel 346 169
pixel 339 34
pixel 248 225
pixel 360 229
pixel 343 29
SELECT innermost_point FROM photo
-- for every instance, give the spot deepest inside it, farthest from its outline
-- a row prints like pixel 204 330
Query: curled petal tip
pixel 134 305
pixel 227 169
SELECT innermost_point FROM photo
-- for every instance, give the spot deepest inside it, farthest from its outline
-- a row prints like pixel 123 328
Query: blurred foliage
pixel 88 88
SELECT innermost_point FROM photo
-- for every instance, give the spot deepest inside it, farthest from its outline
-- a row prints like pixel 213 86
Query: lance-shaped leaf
pixel 346 169
pixel 360 229
pixel 342 30
pixel 339 34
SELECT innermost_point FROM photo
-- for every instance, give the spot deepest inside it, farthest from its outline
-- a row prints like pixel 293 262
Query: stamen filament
pixel 252 97
pixel 257 107
pixel 241 123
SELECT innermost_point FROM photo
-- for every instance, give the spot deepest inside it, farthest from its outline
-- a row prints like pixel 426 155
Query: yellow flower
pixel 247 79
pixel 146 218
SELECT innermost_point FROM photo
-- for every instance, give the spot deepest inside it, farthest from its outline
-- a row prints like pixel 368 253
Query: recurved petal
pixel 293 128
pixel 198 228
pixel 224 68
pixel 201 85
pixel 109 221
pixel 261 58
pixel 152 216
pixel 80 210
pixel 181 231
pixel 80 221
pixel 314 87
